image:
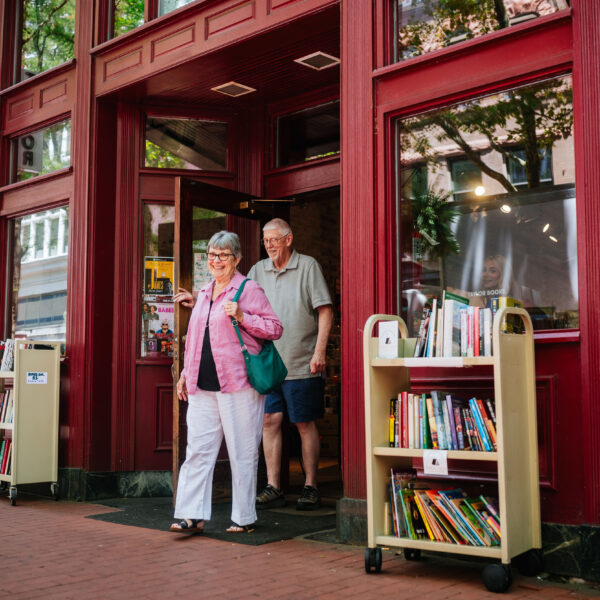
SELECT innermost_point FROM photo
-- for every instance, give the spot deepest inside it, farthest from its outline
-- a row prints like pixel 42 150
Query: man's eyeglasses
pixel 222 256
pixel 273 241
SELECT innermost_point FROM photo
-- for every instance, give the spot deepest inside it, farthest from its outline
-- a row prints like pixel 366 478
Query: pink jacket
pixel 260 322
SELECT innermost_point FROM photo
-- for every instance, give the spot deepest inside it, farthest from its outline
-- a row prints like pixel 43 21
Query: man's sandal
pixel 188 526
pixel 235 528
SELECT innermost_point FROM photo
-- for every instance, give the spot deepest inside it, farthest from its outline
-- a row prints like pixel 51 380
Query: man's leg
pixel 311 447
pixel 272 447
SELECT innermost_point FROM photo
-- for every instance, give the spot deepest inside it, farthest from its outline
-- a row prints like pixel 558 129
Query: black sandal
pixel 235 528
pixel 187 526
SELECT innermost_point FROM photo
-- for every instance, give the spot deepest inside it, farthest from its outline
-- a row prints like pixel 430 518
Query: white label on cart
pixel 37 377
pixel 435 462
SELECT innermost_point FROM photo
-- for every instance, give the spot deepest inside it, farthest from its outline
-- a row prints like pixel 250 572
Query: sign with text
pixel 37 377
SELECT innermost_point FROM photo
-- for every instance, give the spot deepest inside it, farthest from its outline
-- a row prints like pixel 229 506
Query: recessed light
pixel 233 89
pixel 318 61
pixel 546 227
pixel 553 238
pixel 505 208
pixel 479 190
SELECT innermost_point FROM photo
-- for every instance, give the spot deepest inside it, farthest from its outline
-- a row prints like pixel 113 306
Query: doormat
pixel 272 525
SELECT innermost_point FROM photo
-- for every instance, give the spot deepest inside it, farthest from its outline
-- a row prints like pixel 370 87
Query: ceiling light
pixel 479 190
pixel 505 208
pixel 553 238
pixel 233 89
pixel 318 61
pixel 546 227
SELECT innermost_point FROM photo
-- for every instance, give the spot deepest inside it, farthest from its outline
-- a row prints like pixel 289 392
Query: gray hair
pixel 226 240
pixel 279 224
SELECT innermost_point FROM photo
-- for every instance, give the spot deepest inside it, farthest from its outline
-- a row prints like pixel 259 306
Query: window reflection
pixel 39 274
pixel 186 144
pixel 41 151
pixel 127 15
pixel 427 25
pixel 166 6
pixel 488 186
pixel 47 35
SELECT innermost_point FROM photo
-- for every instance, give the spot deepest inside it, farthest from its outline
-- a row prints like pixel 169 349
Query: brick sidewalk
pixel 50 550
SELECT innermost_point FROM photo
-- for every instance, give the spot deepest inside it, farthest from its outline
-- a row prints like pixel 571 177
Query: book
pixel 476 331
pixel 459 534
pixel 427 520
pixel 487 331
pixel 422 334
pixel 411 421
pixel 392 433
pixel 439 333
pixel 439 421
pixel 6 444
pixel 479 511
pixel 429 350
pixel 446 418
pixel 491 411
pixel 404 418
pixel 454 499
pixel 426 428
pixel 458 423
pixel 432 423
pixel 491 430
pixel 417 525
pixel 451 306
pixel 452 422
pixel 480 425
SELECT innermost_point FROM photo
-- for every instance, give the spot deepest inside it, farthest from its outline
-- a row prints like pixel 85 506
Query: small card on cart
pixel 37 377
pixel 435 462
pixel 388 339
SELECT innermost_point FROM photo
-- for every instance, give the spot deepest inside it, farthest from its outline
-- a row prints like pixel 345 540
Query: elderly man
pixel 297 291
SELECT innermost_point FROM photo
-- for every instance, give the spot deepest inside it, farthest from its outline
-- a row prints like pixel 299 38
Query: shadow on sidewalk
pixel 272 526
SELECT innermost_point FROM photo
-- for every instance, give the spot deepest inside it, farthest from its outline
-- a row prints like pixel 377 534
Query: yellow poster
pixel 158 275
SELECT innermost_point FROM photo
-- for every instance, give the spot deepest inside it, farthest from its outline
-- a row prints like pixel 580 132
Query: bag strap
pixel 233 320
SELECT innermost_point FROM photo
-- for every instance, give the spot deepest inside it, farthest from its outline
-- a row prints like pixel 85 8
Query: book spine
pixel 432 423
pixel 463 332
pixel 476 331
pixel 392 433
pixel 459 428
pixel 467 429
pixel 491 430
pixel 491 411
pixel 452 422
pixel 481 428
pixel 404 419
pixel 446 418
pixel 411 422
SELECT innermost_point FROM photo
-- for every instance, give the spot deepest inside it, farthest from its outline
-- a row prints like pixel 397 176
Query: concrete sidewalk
pixel 50 550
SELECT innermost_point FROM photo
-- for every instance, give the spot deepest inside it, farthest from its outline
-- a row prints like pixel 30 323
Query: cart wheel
pixel 372 560
pixel 13 496
pixel 54 490
pixel 497 577
pixel 529 563
pixel 3 485
pixel 412 554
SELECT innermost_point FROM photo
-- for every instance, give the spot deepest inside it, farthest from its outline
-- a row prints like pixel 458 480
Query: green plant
pixel 432 216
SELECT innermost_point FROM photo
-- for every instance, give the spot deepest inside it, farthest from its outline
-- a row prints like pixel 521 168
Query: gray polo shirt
pixel 295 293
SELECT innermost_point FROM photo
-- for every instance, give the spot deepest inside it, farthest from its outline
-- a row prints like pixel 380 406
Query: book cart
pixel 512 362
pixel 34 427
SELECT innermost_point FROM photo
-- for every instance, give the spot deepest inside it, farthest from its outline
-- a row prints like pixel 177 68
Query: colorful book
pixel 452 422
pixel 439 421
pixel 417 525
pixel 491 430
pixel 454 499
pixel 451 306
pixel 447 427
pixel 459 428
pixel 477 508
pixel 481 426
pixel 432 423
pixel 426 428
pixel 459 534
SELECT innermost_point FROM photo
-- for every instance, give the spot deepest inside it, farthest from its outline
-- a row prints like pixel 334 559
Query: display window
pixel 487 204
pixel 39 247
pixel 166 6
pixel 41 151
pixel 422 26
pixel 45 35
pixel 191 144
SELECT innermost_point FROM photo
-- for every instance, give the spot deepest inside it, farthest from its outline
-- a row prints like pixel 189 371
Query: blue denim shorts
pixel 303 399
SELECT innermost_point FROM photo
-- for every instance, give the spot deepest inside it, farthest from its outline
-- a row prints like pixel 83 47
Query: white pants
pixel 210 415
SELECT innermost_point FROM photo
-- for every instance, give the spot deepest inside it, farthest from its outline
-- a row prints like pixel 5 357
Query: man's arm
pixel 325 322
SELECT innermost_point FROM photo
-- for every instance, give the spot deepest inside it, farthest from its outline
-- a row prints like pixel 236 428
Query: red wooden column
pixel 586 74
pixel 358 235
pixel 126 289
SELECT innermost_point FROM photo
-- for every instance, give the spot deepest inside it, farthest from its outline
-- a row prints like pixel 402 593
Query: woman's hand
pixel 182 392
pixel 184 297
pixel 232 310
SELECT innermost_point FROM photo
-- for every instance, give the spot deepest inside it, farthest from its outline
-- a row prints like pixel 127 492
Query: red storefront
pixel 338 149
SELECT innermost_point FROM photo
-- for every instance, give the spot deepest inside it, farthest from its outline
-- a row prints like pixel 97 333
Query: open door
pixel 201 210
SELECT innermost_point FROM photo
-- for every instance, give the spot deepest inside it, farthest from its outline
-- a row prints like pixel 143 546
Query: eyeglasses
pixel 222 256
pixel 273 241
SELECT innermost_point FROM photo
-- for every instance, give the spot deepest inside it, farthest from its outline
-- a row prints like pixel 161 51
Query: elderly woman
pixel 221 401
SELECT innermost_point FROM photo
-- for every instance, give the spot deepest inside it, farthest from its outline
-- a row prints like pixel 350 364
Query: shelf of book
pixel 515 456
pixel 451 454
pixel 29 409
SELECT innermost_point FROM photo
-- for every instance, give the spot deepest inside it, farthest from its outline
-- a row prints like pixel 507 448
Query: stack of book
pixel 454 328
pixel 8 355
pixel 6 406
pixel 441 515
pixel 5 456
pixel 441 421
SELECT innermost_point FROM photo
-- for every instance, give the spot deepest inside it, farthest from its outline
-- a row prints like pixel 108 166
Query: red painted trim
pixel 13 187
pixel 557 337
pixel 36 80
pixel 586 85
pixel 358 232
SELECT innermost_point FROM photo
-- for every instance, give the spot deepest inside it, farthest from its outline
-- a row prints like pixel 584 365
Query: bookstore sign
pixel 37 377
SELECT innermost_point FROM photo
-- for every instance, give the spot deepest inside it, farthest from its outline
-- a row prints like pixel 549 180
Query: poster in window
pixel 158 275
pixel 157 326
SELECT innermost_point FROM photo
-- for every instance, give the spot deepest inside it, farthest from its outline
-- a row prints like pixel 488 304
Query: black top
pixel 208 379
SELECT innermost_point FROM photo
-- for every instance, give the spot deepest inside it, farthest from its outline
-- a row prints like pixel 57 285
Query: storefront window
pixel 308 134
pixel 487 204
pixel 166 6
pixel 41 151
pixel 47 34
pixel 423 26
pixel 127 15
pixel 40 244
pixel 185 144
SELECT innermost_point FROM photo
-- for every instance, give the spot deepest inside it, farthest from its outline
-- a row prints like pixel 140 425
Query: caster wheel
pixel 529 563
pixel 497 578
pixel 54 490
pixel 13 496
pixel 412 554
pixel 3 485
pixel 372 560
